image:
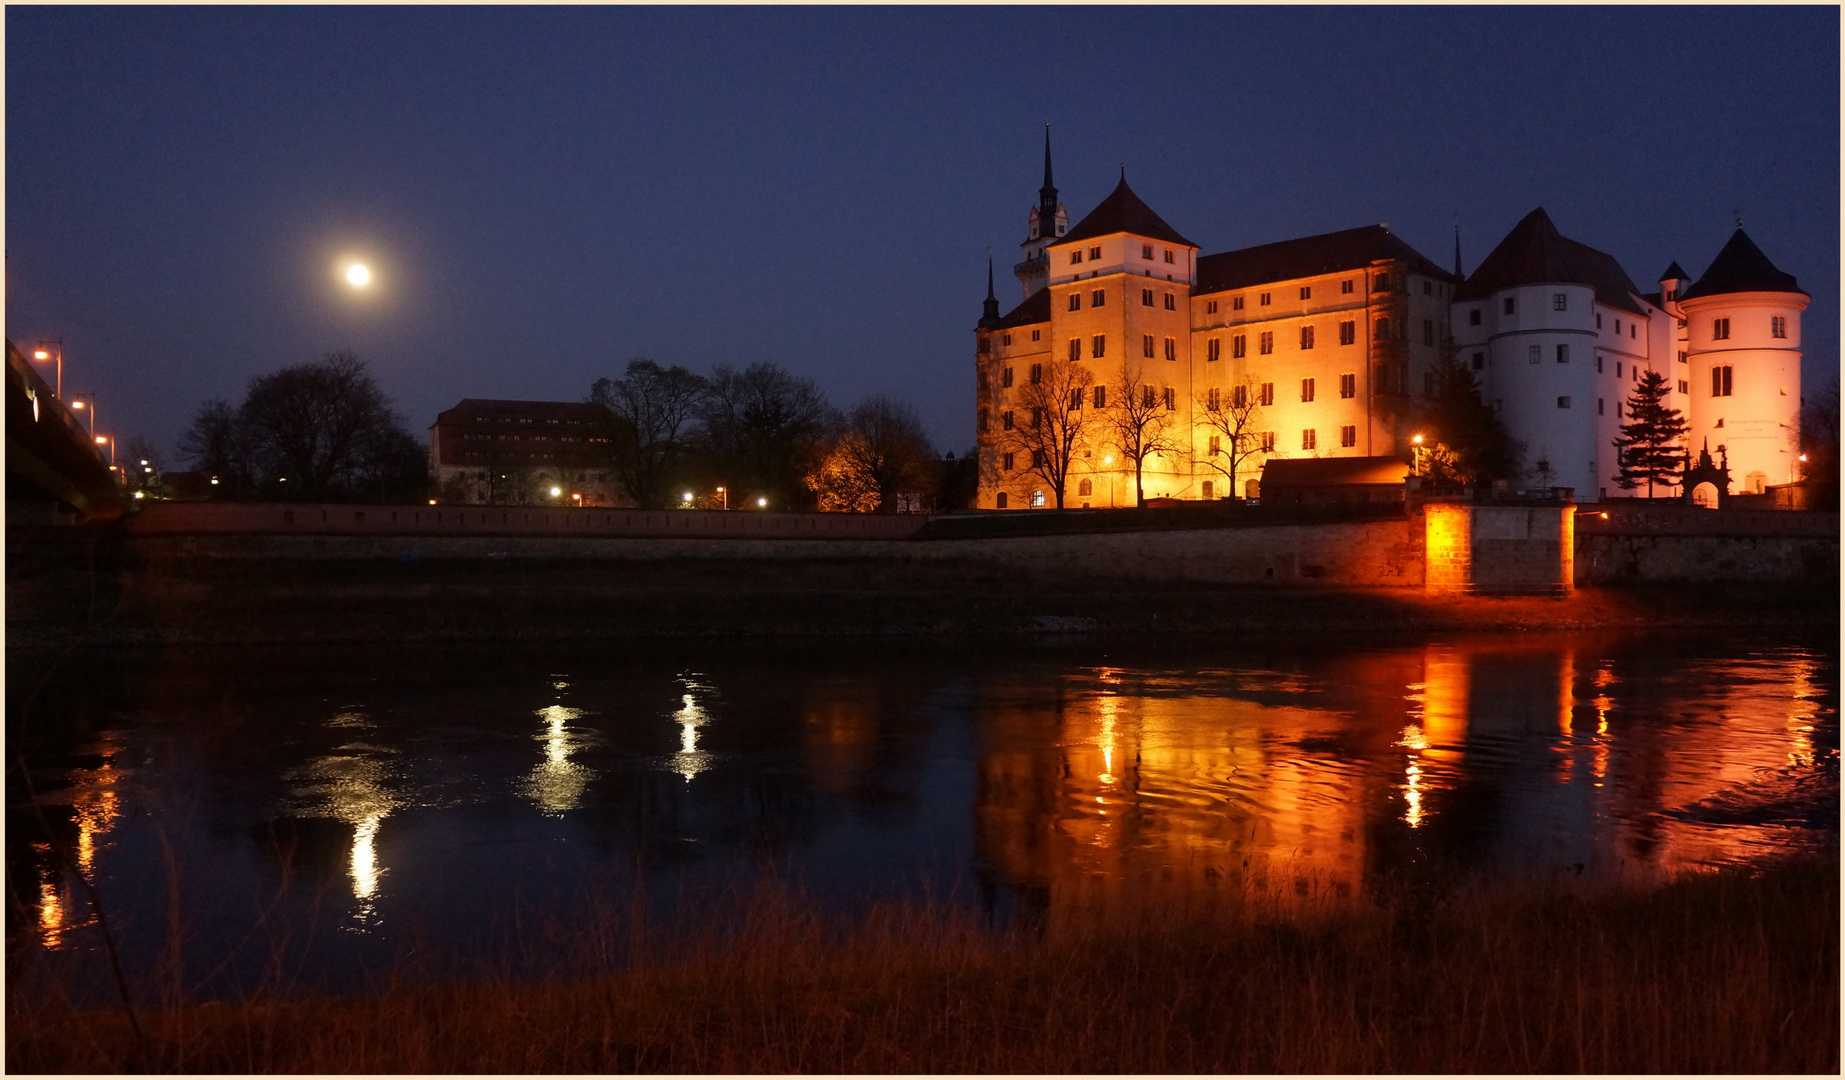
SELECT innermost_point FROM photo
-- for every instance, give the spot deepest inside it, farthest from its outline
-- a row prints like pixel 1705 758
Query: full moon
pixel 358 274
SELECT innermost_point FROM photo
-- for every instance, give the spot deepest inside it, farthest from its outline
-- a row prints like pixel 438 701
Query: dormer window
pixel 1076 256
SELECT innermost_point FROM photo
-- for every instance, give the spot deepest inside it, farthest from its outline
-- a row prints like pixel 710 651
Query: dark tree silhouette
pixel 1649 447
pixel 1819 441
pixel 883 450
pixel 650 415
pixel 1231 413
pixel 1050 420
pixel 765 429
pixel 1468 446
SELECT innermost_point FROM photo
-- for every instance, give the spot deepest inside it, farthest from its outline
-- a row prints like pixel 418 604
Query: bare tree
pixel 651 411
pixel 884 447
pixel 1140 419
pixel 765 429
pixel 1050 417
pixel 1230 413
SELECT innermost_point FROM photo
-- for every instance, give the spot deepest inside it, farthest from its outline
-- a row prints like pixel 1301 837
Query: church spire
pixel 1047 195
pixel 989 311
pixel 1457 249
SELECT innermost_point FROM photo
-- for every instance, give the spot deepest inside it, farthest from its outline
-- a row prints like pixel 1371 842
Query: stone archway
pixel 1705 495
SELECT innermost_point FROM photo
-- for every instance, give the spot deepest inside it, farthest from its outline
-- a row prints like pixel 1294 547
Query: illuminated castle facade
pixel 1335 337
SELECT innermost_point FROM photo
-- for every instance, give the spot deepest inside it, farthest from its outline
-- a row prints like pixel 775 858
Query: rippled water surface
pixel 313 814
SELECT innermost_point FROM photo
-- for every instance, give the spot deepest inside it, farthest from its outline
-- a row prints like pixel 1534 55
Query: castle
pixel 1130 349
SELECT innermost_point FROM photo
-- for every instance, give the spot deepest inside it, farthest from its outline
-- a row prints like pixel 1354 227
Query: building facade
pixel 1325 344
pixel 1326 338
pixel 1560 337
pixel 516 453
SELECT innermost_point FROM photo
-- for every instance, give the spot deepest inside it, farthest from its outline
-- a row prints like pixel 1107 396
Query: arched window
pixel 1000 500
pixel 1086 487
pixel 1207 489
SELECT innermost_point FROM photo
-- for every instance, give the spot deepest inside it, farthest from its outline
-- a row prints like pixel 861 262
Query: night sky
pixel 546 193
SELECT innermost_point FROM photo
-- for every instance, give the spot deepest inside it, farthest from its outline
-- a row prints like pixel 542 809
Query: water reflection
pixel 351 785
pixel 556 784
pixel 95 805
pixel 690 761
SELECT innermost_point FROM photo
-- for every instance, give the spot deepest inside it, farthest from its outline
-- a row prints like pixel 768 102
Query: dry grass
pixel 1728 972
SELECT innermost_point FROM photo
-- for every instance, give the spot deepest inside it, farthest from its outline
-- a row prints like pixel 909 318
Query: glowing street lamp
pixel 1417 454
pixel 85 403
pixel 760 503
pixel 556 491
pixel 48 350
pixel 109 441
pixel 726 496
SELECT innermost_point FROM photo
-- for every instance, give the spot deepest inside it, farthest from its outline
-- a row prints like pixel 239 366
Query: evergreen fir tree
pixel 1467 445
pixel 1649 444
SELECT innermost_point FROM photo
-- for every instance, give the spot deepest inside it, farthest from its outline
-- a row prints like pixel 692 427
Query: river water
pixel 323 815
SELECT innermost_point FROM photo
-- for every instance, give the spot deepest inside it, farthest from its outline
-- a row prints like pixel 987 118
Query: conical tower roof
pixel 1123 211
pixel 1535 253
pixel 1675 272
pixel 1741 267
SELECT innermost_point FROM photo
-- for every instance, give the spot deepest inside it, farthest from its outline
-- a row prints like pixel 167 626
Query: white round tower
pixel 1743 339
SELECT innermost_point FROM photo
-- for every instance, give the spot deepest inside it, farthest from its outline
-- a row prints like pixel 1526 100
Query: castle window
pixel 1076 349
pixel 1719 331
pixel 1146 397
pixel 1266 397
pixel 1306 292
pixel 1101 397
pixel 1085 486
pixel 1168 254
pixel 1212 349
pixel 1598 365
pixel 1564 402
pixel 1563 354
pixel 1428 331
pixel 1534 354
pixel 1210 307
pixel 1479 361
pixel 1076 256
pixel 1348 385
pixel 1005 420
pixel 1037 497
pixel 1348 435
pixel 1005 463
pixel 1510 305
pixel 1076 398
pixel 980 421
pixel 1720 381
pixel 1618 371
pixel 1005 339
pixel 1146 346
pixel 1559 301
pixel 1617 407
pixel 1095 253
pixel 1037 374
pixel 1172 349
pixel 1076 301
pixel 1264 300
pixel 1684 357
pixel 1169 304
pixel 1383 328
pixel 1213 399
pixel 1428 288
pixel 1684 387
pixel 1633 330
pixel 1005 377
pixel 1239 346
pixel 1348 332
pixel 1383 283
pixel 1098 346
pixel 1239 396
pixel 1306 389
pixel 1146 251
pixel 1216 446
pixel 1000 499
pixel 1098 298
pixel 1146 298
pixel 1345 286
pixel 1309 439
pixel 1306 337
pixel 1266 343
pixel 1207 489
pixel 1267 440
pixel 1236 303
pixel 1034 335
pixel 1598 320
pixel 1170 398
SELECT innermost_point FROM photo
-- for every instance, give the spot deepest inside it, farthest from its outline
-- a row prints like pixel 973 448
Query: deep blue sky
pixel 546 193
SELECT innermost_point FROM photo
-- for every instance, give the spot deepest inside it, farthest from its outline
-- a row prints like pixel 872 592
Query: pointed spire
pixel 1047 156
pixel 1457 247
pixel 989 311
pixel 1047 195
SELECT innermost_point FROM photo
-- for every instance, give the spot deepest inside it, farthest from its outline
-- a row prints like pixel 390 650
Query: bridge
pixel 54 475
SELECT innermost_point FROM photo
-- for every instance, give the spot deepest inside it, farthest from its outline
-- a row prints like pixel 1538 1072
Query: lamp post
pixel 49 350
pixel 110 441
pixel 1416 452
pixel 726 496
pixel 85 403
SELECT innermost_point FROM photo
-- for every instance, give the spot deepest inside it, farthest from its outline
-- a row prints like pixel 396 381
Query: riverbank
pixel 55 602
pixel 1733 972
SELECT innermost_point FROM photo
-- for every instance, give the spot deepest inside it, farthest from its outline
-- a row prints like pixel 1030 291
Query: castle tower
pixel 1743 329
pixel 1044 224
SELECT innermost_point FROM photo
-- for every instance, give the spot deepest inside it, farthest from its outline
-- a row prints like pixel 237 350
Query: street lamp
pixel 726 496
pixel 85 403
pixel 48 350
pixel 108 440
pixel 1416 454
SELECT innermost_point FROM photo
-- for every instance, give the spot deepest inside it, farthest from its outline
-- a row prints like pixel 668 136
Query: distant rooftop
pixel 1328 253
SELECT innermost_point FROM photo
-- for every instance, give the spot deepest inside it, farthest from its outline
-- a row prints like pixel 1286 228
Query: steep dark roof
pixel 1280 473
pixel 497 411
pixel 1675 272
pixel 1535 253
pixel 1123 211
pixel 1741 267
pixel 1035 309
pixel 1327 253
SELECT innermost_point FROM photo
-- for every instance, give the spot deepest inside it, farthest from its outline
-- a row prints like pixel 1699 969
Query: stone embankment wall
pixel 1633 544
